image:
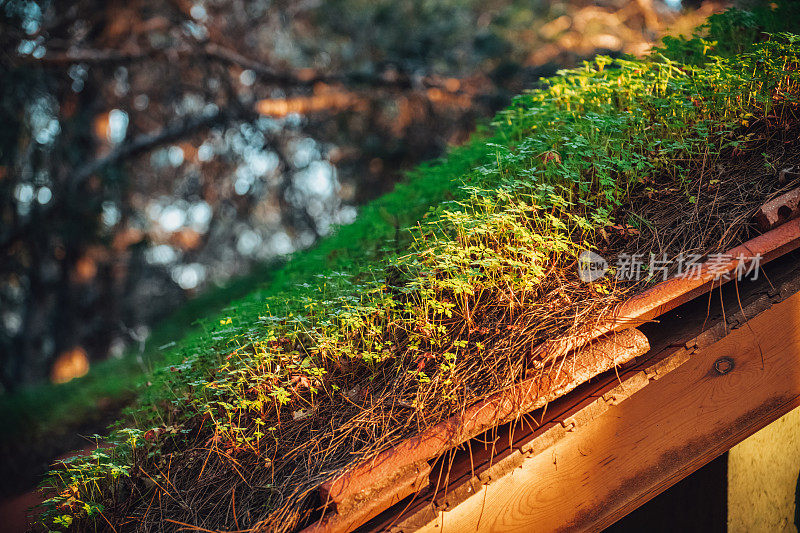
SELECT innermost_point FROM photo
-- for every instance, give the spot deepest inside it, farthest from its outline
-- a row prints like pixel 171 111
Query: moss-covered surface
pixel 381 330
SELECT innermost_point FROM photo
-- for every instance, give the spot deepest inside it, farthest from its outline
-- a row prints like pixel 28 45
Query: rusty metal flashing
pixel 779 210
pixel 358 509
pixel 363 492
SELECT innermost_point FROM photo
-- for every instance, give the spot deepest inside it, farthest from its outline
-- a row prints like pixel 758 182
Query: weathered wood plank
pixel 645 442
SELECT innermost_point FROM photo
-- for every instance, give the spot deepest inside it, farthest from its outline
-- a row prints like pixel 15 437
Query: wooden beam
pixel 622 447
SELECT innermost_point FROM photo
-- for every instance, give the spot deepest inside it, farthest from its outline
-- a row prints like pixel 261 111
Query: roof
pixel 411 475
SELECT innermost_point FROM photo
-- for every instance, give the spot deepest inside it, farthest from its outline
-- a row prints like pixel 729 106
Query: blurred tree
pixel 150 148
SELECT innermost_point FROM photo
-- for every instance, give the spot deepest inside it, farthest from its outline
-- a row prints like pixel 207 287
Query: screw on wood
pixel 723 365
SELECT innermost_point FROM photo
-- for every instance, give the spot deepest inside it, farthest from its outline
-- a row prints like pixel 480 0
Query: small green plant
pixel 80 483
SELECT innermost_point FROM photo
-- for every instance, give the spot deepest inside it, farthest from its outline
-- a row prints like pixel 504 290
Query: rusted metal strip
pixel 387 492
pixel 779 210
pixel 363 490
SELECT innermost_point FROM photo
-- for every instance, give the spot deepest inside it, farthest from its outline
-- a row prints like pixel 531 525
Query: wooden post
pixel 763 478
